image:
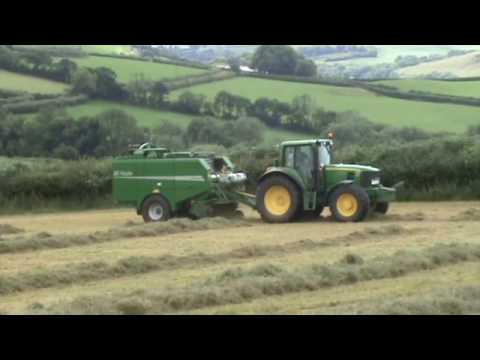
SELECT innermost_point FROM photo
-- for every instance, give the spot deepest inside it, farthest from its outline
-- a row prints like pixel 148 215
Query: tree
pixel 39 60
pixel 246 130
pixel 301 115
pixel 207 131
pixel 107 86
pixel 306 68
pixel 65 152
pixel 270 111
pixel 159 91
pixel 139 88
pixel 8 59
pixel 65 69
pixel 84 81
pixel 191 103
pixel 169 135
pixel 234 64
pixel 275 59
pixel 120 130
pixel 228 106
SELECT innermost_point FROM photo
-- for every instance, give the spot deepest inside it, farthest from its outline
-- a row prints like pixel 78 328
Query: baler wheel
pixel 156 209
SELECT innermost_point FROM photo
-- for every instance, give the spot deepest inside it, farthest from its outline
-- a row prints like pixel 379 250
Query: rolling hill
pixel 381 109
pixel 104 49
pixel 127 68
pixel 462 66
pixel 455 88
pixel 151 118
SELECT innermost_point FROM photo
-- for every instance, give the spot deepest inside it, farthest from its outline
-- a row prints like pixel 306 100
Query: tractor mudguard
pixel 341 183
pixel 288 172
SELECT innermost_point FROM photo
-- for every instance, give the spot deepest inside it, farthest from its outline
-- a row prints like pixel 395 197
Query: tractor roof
pixel 306 142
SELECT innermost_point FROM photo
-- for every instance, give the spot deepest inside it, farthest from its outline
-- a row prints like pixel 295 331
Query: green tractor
pixel 304 181
pixel 163 184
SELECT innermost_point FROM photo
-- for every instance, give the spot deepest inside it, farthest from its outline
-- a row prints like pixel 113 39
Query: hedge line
pixel 36 105
pixel 75 179
pixel 66 52
pixel 160 61
pixel 179 83
pixel 299 79
pixel 16 99
pixel 4 93
pixel 420 95
pixel 473 78
pixel 378 89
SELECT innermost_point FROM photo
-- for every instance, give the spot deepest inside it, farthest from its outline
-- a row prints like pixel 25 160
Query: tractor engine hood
pixel 352 168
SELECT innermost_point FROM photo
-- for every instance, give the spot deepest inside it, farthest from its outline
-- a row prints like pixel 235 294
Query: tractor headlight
pixel 376 181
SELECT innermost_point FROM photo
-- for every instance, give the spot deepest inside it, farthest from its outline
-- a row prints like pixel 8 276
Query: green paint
pixel 195 183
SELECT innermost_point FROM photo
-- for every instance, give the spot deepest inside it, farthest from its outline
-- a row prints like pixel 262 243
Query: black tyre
pixel 349 204
pixel 382 207
pixel 278 199
pixel 156 209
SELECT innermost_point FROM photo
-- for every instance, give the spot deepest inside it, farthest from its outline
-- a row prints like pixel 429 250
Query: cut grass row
pixel 381 109
pixel 449 301
pixel 45 240
pixel 131 266
pixel 238 285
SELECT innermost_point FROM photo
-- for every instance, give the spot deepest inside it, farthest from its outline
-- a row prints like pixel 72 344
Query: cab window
pixel 289 156
pixel 304 160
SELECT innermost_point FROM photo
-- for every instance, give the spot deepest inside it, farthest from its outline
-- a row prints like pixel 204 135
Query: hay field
pixel 421 258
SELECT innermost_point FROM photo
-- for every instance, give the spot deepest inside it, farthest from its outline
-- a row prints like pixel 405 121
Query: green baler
pixel 162 184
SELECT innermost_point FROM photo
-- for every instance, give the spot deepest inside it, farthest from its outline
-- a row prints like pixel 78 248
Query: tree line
pixel 53 133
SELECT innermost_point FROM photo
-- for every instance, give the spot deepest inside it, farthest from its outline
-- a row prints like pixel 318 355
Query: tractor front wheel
pixel 278 199
pixel 156 209
pixel 349 203
pixel 382 207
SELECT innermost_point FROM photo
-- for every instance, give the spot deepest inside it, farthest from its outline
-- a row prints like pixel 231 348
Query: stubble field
pixel 421 258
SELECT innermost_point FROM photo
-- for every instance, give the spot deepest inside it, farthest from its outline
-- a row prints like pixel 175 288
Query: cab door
pixel 304 160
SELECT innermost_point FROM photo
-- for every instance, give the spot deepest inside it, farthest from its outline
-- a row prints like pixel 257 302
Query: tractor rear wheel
pixel 382 207
pixel 349 203
pixel 156 209
pixel 278 199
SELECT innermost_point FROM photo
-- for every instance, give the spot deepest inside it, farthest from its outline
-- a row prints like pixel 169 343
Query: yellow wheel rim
pixel 347 205
pixel 278 200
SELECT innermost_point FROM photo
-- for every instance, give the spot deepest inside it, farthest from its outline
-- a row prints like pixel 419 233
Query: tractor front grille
pixel 367 177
